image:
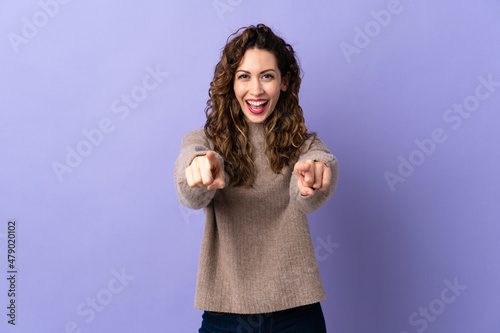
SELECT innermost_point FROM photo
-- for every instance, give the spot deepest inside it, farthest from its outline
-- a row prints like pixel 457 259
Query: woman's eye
pixel 268 76
pixel 243 76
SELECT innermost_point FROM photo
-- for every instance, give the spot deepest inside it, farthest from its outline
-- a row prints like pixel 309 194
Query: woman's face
pixel 257 84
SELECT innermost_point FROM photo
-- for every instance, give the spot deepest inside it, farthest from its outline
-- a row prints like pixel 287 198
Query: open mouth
pixel 257 106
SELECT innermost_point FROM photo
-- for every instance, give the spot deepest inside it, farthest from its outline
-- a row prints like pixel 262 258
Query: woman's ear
pixel 285 80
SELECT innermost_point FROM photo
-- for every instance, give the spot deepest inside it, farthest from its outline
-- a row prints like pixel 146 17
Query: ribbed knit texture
pixel 256 255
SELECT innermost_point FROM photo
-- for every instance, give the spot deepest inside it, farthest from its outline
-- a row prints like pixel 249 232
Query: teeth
pixel 256 103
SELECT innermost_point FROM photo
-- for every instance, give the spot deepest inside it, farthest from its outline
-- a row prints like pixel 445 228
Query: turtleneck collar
pixel 255 127
pixel 256 133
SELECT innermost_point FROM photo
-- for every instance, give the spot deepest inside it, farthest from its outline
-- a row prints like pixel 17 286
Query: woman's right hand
pixel 206 171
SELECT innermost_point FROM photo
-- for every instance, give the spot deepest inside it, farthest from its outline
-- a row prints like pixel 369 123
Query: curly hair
pixel 285 129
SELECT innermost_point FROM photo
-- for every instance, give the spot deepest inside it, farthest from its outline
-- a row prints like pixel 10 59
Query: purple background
pixel 385 254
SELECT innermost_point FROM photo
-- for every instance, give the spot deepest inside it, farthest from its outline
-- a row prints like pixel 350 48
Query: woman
pixel 256 172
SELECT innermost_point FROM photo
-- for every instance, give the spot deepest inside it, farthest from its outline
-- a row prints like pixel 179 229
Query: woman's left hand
pixel 312 176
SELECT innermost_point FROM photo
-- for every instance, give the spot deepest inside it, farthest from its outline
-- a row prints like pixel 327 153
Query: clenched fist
pixel 206 171
pixel 312 176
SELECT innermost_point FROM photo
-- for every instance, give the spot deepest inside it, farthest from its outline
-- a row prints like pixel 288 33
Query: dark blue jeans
pixel 303 319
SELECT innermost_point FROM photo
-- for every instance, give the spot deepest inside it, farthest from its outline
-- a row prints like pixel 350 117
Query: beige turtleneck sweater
pixel 257 255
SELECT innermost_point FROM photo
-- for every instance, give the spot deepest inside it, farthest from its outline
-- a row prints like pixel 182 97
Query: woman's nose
pixel 256 87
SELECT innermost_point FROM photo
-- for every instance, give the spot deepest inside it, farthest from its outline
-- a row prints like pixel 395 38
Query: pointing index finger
pixel 302 166
pixel 213 161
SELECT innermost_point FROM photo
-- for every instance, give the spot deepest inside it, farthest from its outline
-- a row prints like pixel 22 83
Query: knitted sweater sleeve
pixel 314 149
pixel 194 144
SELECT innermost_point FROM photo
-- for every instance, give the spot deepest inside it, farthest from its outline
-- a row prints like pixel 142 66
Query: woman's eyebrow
pixel 267 70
